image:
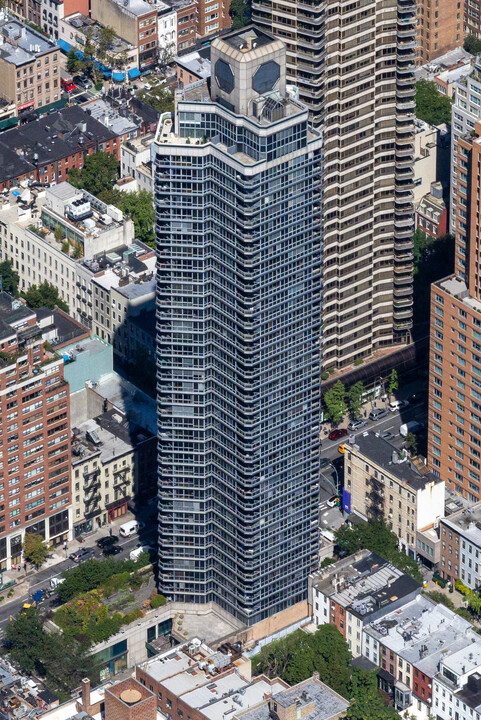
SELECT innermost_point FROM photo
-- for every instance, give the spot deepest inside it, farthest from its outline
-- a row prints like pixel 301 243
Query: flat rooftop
pixel 139 281
pixel 21 44
pixel 240 39
pixel 195 63
pixel 423 633
pixel 364 583
pixel 467 522
pixel 380 452
pixel 327 703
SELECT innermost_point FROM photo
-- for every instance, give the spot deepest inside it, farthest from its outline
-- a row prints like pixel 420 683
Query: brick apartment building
pixel 46 150
pixel 34 404
pixel 133 20
pixel 47 14
pixel 439 27
pixel 454 438
pixel 356 591
pixel 460 535
pixel 29 67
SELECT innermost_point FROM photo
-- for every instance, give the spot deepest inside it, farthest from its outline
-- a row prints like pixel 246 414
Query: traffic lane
pixel 392 422
pixel 41 579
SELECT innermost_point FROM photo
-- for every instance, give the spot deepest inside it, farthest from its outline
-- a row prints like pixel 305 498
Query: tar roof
pixel 47 140
pixel 380 452
pixel 239 39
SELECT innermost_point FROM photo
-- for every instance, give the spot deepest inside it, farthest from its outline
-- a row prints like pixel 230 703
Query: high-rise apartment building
pixel 237 194
pixel 34 435
pixel 465 112
pixel 454 439
pixel 354 65
pixel 439 27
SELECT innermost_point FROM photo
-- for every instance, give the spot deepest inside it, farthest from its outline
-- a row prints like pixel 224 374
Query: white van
pixel 135 554
pixel 396 405
pixel 129 528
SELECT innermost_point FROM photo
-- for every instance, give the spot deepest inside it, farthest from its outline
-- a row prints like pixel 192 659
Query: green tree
pixel 240 13
pixel 474 602
pixel 439 597
pixel 9 277
pixel 472 45
pixel 45 295
pixel 58 233
pixel 74 64
pixel 60 661
pixel 34 549
pixel 375 535
pixel 412 443
pixel 159 97
pixel 335 402
pixel 431 106
pixel 140 207
pixel 393 382
pixel 367 701
pixel 93 573
pixel 100 172
pixel 354 397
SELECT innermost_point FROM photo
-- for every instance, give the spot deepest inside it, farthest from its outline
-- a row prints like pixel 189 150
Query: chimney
pixel 315 675
pixel 85 694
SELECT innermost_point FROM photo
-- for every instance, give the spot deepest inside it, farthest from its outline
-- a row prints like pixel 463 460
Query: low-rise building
pixel 126 128
pixel 431 157
pixel 167 28
pixel 111 457
pixel 44 151
pixel 68 237
pixel 380 481
pixel 133 20
pixel 135 163
pixel 193 67
pixel 457 684
pixel 460 535
pixel 445 70
pixel 356 591
pixel 432 213
pixel 73 31
pixel 194 681
pixel 409 644
pixel 29 66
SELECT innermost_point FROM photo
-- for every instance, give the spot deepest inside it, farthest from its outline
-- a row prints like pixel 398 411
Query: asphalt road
pixel 41 579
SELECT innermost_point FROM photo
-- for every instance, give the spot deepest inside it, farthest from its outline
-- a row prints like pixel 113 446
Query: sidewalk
pixel 59 555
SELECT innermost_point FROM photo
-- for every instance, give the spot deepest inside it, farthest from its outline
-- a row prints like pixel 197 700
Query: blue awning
pixel 107 73
pixel 118 77
pixel 133 73
pixel 65 46
pixel 79 54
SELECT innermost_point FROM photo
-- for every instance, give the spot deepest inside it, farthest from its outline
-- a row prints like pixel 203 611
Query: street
pixel 41 579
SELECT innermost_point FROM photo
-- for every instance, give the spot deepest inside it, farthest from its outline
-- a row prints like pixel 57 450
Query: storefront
pixel 112 660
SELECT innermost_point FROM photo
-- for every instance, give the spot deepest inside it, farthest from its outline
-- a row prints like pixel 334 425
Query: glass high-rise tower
pixel 238 197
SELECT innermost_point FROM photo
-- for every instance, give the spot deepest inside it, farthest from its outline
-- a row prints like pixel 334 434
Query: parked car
pixel 147 86
pixel 82 554
pixel 378 414
pixel 82 82
pixel 333 501
pixel 112 550
pixel 338 433
pixel 387 435
pixel 396 405
pixel 107 540
pixel 357 424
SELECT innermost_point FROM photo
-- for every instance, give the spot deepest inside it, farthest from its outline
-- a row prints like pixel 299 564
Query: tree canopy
pixel 10 278
pixel 159 97
pixel 431 106
pixel 34 549
pixel 93 573
pixel 60 661
pixel 375 535
pixel 100 172
pixel 137 205
pixel 335 402
pixel 393 382
pixel 472 44
pixel 354 396
pixel 240 13
pixel 297 656
pixel 44 295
